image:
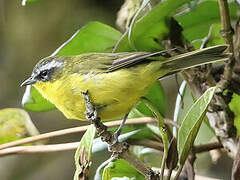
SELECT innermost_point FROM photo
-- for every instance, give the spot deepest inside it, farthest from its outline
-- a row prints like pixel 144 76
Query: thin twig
pixel 159 146
pixel 72 146
pixel 64 132
pixel 207 147
pixel 147 143
pixel 39 149
pixel 197 177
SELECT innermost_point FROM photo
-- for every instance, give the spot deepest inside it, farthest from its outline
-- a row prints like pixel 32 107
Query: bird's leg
pixel 119 130
pixel 91 111
pixel 92 116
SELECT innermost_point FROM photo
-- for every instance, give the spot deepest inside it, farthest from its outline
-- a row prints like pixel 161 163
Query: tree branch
pixel 227 31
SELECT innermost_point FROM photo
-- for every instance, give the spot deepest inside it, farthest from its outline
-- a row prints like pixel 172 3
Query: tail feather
pixel 196 58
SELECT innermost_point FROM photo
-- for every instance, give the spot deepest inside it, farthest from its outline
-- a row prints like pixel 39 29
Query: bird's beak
pixel 29 81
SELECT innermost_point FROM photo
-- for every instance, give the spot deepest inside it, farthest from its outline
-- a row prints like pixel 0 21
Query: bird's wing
pixel 108 62
pixel 132 59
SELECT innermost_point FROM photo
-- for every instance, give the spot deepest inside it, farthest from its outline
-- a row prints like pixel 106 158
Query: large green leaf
pixel 197 21
pixel 191 124
pixel 93 37
pixel 213 37
pixel 15 124
pixel 122 170
pixel 83 155
pixel 157 98
pixel 183 104
pixel 152 28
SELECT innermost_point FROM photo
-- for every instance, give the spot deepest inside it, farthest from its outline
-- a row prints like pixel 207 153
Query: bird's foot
pixel 117 133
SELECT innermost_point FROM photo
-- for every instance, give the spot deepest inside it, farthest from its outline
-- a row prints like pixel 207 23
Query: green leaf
pixel 191 124
pixel 121 170
pixel 83 155
pixel 235 108
pixel 93 37
pixel 15 124
pixel 156 96
pixel 27 1
pixel 32 100
pixel 152 28
pixel 197 21
pixel 206 133
pixel 161 131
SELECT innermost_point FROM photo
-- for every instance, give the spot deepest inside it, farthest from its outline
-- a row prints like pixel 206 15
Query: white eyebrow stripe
pixel 51 64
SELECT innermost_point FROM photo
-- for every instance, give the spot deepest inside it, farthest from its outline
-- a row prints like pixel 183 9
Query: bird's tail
pixel 196 58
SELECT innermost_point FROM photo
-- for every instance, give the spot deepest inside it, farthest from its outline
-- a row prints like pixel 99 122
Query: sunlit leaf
pixel 15 124
pixel 121 170
pixel 93 37
pixel 206 133
pixel 83 155
pixel 191 124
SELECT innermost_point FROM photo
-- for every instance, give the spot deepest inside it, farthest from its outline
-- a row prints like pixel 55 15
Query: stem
pixel 162 132
pixel 169 174
pixel 227 33
pixel 178 172
pixel 148 143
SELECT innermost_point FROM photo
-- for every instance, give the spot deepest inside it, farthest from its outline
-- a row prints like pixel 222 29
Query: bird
pixel 115 81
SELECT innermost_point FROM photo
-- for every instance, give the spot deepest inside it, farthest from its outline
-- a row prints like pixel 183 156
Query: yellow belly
pixel 113 93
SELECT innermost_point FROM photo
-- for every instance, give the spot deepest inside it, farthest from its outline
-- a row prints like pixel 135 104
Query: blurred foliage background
pixel 34 31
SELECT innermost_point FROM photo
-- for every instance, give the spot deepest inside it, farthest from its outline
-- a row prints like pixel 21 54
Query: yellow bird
pixel 115 81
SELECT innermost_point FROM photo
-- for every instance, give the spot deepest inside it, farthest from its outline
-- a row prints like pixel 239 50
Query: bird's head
pixel 46 70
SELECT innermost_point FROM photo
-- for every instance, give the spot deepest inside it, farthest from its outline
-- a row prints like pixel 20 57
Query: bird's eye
pixel 44 75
